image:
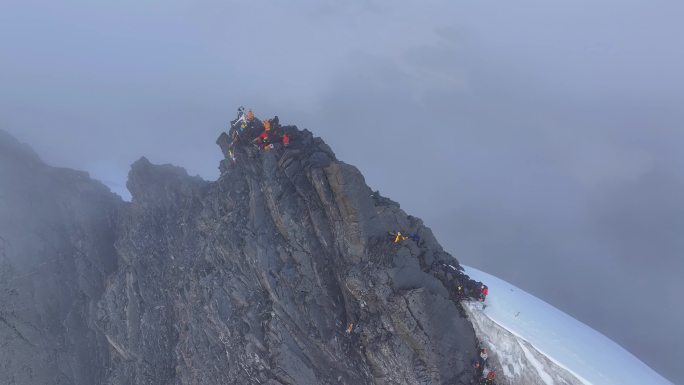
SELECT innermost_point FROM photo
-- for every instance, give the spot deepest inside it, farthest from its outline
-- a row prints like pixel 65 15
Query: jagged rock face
pixel 253 279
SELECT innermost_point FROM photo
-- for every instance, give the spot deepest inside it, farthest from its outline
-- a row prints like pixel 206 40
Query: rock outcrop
pixel 251 279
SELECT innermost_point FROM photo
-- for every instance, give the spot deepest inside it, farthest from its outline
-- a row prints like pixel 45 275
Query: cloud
pixel 541 141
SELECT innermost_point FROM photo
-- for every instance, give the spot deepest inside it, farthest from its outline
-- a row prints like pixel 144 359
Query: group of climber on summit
pixel 247 129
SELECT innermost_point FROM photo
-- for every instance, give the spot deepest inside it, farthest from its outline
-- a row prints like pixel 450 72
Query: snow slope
pixel 535 343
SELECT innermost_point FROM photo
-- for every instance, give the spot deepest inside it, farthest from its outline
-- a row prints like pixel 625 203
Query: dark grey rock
pixel 251 279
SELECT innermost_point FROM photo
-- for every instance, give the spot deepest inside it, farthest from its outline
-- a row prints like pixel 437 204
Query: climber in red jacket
pixel 484 292
pixel 488 377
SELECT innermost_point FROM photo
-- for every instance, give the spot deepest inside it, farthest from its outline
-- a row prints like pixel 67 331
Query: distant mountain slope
pixel 535 343
pixel 57 233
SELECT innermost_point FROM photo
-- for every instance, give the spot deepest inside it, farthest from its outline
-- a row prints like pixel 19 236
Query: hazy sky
pixel 542 141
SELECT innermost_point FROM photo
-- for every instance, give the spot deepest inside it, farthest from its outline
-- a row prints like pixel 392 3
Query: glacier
pixel 532 342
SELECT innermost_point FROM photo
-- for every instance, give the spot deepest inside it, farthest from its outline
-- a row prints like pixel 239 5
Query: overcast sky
pixel 542 141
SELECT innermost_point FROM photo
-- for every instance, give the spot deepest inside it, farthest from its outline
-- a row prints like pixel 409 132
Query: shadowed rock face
pixel 251 279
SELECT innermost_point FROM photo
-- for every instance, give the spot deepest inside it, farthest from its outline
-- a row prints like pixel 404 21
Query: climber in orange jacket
pixel 264 139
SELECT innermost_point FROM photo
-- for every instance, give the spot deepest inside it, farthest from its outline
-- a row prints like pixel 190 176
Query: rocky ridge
pixel 251 279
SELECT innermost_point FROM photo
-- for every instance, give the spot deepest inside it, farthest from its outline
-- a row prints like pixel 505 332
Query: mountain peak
pixel 160 184
pixel 13 149
pixel 288 269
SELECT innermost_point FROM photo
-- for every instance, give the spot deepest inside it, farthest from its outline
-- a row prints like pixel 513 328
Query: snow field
pixel 535 343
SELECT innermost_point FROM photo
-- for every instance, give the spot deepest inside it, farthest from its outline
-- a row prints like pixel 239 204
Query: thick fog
pixel 542 141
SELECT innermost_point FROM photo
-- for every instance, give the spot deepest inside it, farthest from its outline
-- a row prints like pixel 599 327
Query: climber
pixel 460 294
pixel 415 238
pixel 488 377
pixel 485 372
pixel 484 292
pixel 250 116
pixel 264 139
pixel 240 118
pixel 286 139
pixel 234 139
pixel 483 356
pixel 350 328
pixel 397 237
pixel 475 363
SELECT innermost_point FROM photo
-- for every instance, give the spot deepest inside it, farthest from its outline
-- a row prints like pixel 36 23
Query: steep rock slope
pixel 252 279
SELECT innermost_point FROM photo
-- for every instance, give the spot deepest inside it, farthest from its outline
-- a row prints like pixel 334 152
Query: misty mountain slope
pixel 535 343
pixel 251 279
pixel 56 250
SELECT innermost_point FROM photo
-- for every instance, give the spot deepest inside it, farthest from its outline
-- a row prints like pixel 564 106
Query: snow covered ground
pixel 535 343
